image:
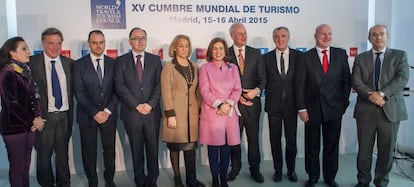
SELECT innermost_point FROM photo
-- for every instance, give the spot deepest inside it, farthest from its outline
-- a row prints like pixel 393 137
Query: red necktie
pixel 139 68
pixel 325 62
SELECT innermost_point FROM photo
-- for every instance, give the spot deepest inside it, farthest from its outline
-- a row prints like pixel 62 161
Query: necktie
pixel 99 70
pixel 139 68
pixel 325 63
pixel 56 92
pixel 241 61
pixel 282 66
pixel 282 73
pixel 377 70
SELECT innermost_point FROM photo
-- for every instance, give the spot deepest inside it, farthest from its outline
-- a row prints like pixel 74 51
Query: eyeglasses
pixel 138 38
pixel 381 34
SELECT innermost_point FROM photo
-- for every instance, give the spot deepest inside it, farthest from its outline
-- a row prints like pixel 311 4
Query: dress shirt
pixel 285 57
pixel 95 65
pixel 320 54
pixel 134 54
pixel 62 81
pixel 374 56
pixel 101 63
pixel 236 52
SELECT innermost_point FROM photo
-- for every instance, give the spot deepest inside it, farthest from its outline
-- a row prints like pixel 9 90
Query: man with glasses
pixel 137 83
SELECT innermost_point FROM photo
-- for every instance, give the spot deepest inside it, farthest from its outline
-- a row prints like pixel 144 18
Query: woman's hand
pixel 38 124
pixel 172 122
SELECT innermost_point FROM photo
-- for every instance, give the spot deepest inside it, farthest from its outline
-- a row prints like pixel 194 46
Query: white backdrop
pixel 73 18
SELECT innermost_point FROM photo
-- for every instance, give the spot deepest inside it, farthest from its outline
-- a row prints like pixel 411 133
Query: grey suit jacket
pixel 394 77
pixel 254 73
pixel 131 92
pixel 37 65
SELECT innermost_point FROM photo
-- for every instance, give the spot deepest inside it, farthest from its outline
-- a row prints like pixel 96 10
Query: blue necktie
pixel 99 70
pixel 56 92
pixel 377 70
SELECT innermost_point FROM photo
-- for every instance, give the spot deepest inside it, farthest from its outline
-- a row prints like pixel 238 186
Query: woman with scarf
pixel 20 114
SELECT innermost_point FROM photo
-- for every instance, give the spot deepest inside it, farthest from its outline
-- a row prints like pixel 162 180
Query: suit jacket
pixel 394 76
pixel 37 65
pixel 275 84
pixel 254 74
pixel 91 94
pixel 131 92
pixel 325 97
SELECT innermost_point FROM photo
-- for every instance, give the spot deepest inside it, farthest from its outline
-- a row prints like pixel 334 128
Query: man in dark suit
pixel 323 86
pixel 378 76
pixel 137 82
pixel 280 102
pixel 253 80
pixel 52 73
pixel 97 107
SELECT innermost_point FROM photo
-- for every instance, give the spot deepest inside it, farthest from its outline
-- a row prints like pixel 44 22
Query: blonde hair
pixel 174 43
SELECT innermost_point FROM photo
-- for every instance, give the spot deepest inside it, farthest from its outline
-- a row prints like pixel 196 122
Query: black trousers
pixel 89 142
pixel 144 134
pixel 331 131
pixel 286 119
pixel 249 121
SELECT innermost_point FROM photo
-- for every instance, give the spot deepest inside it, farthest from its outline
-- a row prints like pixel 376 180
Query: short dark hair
pixel 210 49
pixel 51 31
pixel 8 45
pixel 136 28
pixel 96 32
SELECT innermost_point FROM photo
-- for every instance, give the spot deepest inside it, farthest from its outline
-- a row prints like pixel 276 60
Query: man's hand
pixel 376 98
pixel 101 117
pixel 250 93
pixel 244 101
pixel 144 109
pixel 304 116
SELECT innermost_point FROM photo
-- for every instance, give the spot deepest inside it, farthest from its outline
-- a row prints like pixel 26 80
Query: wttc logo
pixel 108 14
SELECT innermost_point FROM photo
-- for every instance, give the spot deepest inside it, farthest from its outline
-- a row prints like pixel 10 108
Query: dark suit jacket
pixel 324 96
pixel 131 91
pixel 275 84
pixel 92 96
pixel 254 72
pixel 394 76
pixel 37 64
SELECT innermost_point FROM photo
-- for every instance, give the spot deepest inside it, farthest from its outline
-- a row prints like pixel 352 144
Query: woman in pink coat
pixel 220 89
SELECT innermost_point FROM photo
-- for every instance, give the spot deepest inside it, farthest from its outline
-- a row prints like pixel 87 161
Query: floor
pixel 346 176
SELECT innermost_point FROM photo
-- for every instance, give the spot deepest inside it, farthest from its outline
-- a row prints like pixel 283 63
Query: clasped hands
pixel 38 124
pixel 101 117
pixel 247 96
pixel 144 108
pixel 376 98
pixel 224 109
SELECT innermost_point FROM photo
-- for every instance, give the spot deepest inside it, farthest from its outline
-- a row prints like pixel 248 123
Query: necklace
pixel 188 75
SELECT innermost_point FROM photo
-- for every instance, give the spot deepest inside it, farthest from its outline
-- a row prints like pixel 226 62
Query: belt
pixel 57 112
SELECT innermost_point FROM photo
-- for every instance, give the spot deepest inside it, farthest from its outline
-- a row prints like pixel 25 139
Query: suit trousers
pixel 144 133
pixel 286 119
pixel 19 152
pixel 53 138
pixel 89 142
pixel 331 131
pixel 385 133
pixel 249 120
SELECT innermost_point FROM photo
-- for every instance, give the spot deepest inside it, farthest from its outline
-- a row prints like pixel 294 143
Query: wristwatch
pixel 381 94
